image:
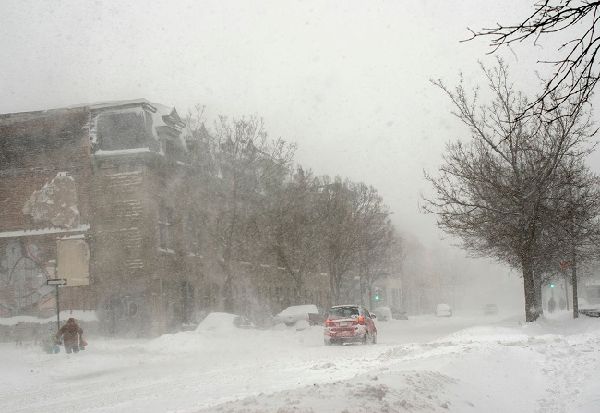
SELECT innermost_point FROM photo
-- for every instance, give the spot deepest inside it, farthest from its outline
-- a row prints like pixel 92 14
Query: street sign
pixel 57 282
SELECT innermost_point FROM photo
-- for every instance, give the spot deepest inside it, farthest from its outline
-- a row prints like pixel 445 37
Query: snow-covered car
pixel 490 309
pixel 383 313
pixel 218 322
pixel 291 315
pixel 315 319
pixel 349 324
pixel 443 310
pixel 398 314
pixel 243 322
pixel 590 312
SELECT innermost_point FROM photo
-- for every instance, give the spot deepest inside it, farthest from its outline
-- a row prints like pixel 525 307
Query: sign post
pixel 57 282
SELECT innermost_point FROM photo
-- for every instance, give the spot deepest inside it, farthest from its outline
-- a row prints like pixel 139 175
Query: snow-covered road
pixel 424 364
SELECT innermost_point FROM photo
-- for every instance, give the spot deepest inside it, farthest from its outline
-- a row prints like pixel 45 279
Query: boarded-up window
pixel 73 261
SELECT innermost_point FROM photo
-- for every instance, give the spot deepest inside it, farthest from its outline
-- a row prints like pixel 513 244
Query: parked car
pixel 590 312
pixel 383 313
pixel 349 324
pixel 291 315
pixel 243 322
pixel 490 309
pixel 588 309
pixel 316 319
pixel 398 314
pixel 443 310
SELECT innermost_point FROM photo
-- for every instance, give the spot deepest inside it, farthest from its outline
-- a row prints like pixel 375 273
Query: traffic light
pixel 377 295
pixel 551 285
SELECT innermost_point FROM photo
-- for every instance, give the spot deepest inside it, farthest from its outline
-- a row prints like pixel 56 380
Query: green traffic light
pixel 551 285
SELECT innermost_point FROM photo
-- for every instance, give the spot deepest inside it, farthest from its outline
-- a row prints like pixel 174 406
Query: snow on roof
pixel 43 231
pixel 118 152
pixel 157 111
pixel 116 104
pixel 217 321
pixel 169 112
pixel 94 106
pixel 78 236
pixel 299 310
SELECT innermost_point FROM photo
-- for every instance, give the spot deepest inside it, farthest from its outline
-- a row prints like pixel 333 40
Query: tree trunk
pixel 227 292
pixel 574 284
pixel 228 302
pixel 539 305
pixel 566 283
pixel 299 287
pixel 362 290
pixel 334 286
pixel 531 311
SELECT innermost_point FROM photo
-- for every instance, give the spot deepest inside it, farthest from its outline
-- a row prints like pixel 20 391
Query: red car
pixel 349 324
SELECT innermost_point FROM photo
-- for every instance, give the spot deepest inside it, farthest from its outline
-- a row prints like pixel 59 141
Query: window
pixel 343 312
pixel 194 225
pixel 122 130
pixel 165 224
pixel 170 150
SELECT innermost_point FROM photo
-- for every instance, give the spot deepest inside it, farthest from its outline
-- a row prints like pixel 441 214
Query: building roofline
pixel 97 106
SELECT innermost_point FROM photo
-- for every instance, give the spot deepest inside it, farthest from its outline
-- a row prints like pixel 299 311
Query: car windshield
pixel 343 312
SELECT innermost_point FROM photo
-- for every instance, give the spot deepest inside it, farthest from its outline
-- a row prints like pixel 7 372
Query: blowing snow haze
pixel 203 180
pixel 348 82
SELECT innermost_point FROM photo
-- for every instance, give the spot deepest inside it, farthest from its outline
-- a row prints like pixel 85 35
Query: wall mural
pixel 23 275
pixel 25 264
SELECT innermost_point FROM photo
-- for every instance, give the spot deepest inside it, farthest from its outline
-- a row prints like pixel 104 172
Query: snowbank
pixel 423 364
pixel 472 370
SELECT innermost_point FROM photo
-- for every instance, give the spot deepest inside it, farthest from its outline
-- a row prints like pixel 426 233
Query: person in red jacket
pixel 72 336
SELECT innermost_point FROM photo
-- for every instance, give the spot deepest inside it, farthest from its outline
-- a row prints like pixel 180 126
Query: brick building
pixel 103 191
pixel 42 165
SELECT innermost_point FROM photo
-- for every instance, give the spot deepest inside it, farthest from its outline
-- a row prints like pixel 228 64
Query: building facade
pixel 115 198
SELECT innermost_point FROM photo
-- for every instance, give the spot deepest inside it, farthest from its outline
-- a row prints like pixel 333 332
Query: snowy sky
pixel 347 80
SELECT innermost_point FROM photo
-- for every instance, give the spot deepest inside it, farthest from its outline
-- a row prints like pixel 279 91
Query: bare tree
pixel 576 67
pixel 574 228
pixel 492 192
pixel 353 216
pixel 375 239
pixel 244 164
pixel 339 236
pixel 293 228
